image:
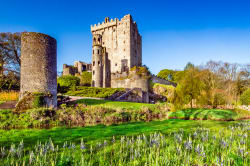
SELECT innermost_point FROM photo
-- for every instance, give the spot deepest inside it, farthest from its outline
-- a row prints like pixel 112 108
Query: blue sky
pixel 174 32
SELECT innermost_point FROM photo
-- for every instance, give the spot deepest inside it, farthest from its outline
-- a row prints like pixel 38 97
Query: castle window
pixel 93 63
pixel 115 64
pixel 102 42
pixel 124 49
pixel 114 30
pixel 98 51
pixel 98 39
pixel 99 63
pixel 94 40
pixel 124 32
pixel 124 41
pixel 93 72
pixel 93 51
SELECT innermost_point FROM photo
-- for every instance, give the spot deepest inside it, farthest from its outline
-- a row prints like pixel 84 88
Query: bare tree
pixel 10 50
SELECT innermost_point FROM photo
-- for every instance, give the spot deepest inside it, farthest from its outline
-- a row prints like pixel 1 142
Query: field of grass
pixel 102 132
pixel 211 114
pixel 115 104
pixel 191 114
pixel 169 142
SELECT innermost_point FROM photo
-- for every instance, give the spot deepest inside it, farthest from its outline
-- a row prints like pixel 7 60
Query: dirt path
pixel 8 105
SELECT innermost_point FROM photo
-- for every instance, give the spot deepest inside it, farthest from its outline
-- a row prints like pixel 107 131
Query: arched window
pixel 94 40
pixel 93 51
pixel 93 72
pixel 99 39
pixel 93 63
pixel 99 63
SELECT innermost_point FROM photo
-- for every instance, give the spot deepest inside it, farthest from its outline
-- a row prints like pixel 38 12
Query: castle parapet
pixel 104 25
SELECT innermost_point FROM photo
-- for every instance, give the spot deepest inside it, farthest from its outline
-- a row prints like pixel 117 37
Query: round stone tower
pixel 39 66
pixel 97 62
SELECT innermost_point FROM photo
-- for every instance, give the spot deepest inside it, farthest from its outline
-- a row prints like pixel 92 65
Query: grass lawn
pixel 115 104
pixel 205 114
pixel 101 132
pixel 211 114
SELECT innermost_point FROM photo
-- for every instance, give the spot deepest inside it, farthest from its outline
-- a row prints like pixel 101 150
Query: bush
pixel 86 78
pixel 94 92
pixel 245 97
pixel 66 83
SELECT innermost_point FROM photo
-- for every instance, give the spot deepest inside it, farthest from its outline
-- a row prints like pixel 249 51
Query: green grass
pixel 94 92
pixel 101 132
pixel 201 146
pixel 211 114
pixel 192 114
pixel 115 104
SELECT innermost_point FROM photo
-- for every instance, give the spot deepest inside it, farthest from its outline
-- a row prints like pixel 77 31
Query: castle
pixel 117 59
pixel 117 47
pixel 77 69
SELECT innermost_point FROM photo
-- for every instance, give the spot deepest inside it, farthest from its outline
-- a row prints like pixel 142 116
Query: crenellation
pixel 122 48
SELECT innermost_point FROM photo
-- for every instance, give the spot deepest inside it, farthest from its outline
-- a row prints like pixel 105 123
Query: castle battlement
pixel 109 23
pixel 103 25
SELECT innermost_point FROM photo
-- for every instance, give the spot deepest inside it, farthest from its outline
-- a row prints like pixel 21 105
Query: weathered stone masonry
pixel 120 48
pixel 39 66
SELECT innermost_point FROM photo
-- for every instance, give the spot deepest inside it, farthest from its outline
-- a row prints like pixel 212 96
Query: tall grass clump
pixel 199 147
pixel 9 96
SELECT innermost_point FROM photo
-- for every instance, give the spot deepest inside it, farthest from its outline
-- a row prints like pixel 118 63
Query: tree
pixel 86 78
pixel 189 86
pixel 245 97
pixel 10 50
pixel 68 82
pixel 170 75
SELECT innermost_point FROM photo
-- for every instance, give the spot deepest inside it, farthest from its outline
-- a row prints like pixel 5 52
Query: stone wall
pixel 77 69
pixel 69 70
pixel 134 95
pixel 156 79
pixel 39 66
pixel 129 80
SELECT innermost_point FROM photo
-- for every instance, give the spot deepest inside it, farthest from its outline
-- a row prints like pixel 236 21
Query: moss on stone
pixel 32 100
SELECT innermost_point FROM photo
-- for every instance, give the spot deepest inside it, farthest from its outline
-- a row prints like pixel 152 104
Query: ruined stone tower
pixel 39 66
pixel 120 48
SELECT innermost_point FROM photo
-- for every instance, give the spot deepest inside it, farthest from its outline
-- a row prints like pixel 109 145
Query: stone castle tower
pixel 39 66
pixel 117 47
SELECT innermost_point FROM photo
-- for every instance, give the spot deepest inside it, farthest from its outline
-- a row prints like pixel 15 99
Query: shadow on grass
pixel 204 114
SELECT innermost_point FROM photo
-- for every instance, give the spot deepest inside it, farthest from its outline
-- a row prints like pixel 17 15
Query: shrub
pixel 86 78
pixel 245 97
pixel 31 100
pixel 94 92
pixel 66 83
